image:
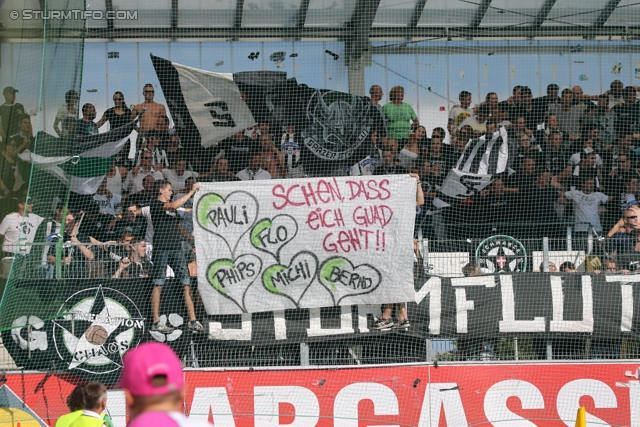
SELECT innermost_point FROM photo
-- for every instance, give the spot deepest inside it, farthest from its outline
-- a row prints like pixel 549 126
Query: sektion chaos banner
pixel 411 395
pixel 281 244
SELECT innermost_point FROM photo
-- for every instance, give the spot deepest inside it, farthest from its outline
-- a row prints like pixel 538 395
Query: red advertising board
pixel 415 395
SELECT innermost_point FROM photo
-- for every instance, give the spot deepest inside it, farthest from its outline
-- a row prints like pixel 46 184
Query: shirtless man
pixel 149 119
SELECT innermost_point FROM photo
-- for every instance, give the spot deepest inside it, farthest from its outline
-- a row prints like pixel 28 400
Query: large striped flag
pixel 84 171
pixel 206 107
pixel 481 161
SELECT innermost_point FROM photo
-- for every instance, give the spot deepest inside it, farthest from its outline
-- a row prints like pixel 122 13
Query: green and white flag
pixel 85 171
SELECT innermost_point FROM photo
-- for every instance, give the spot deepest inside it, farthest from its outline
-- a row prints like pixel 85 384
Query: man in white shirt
pixel 133 182
pixel 586 204
pixel 459 114
pixel 107 201
pixel 178 175
pixel 19 229
pixel 253 172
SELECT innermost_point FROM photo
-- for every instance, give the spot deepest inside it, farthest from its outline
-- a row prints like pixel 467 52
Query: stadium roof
pixel 342 19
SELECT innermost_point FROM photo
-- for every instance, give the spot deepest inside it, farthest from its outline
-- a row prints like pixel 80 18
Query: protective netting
pixel 424 206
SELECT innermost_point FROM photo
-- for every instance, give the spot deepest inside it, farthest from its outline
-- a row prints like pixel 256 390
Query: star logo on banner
pixel 501 254
pixel 99 326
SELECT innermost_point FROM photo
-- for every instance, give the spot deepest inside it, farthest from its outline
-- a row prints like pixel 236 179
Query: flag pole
pixel 63 220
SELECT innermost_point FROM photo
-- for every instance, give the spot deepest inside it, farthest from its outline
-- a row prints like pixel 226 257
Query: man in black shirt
pixel 627 114
pixel 238 149
pixel 390 163
pixel 630 259
pixel 10 112
pixel 540 209
pixel 554 157
pixel 541 105
pixel 167 250
pixel 129 221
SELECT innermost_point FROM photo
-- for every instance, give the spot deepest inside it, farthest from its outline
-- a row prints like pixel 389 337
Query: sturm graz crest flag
pixel 339 127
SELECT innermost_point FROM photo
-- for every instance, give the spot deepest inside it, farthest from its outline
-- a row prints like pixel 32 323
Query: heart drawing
pixel 343 280
pixel 229 218
pixel 270 235
pixel 232 278
pixel 291 281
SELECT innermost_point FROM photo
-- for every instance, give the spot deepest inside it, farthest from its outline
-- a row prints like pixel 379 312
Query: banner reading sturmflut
pixel 318 242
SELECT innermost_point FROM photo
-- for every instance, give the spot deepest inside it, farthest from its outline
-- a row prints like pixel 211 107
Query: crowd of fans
pixel 576 163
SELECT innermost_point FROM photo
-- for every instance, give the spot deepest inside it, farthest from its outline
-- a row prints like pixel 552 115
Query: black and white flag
pixel 481 161
pixel 335 127
pixel 206 107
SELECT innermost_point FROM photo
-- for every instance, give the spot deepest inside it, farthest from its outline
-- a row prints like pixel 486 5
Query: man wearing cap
pixel 18 229
pixel 10 111
pixel 153 384
pixel 95 402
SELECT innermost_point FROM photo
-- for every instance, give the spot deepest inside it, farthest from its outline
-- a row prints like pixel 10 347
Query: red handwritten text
pixel 371 190
pixel 327 218
pixel 354 240
pixel 310 194
pixel 372 215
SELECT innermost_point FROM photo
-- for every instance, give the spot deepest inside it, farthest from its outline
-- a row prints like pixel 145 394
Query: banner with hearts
pixel 311 242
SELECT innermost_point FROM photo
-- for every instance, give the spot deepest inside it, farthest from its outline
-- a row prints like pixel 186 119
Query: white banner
pixel 316 242
pixel 214 103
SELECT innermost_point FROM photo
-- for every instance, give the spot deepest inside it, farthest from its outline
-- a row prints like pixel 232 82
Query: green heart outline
pixel 325 278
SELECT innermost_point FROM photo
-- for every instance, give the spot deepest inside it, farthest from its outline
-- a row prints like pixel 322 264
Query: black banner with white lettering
pixel 94 322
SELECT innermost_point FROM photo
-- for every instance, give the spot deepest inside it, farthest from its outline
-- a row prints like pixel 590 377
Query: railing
pixel 585 253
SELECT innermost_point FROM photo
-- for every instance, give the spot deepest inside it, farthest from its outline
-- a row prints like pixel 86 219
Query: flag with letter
pixel 206 107
pixel 481 161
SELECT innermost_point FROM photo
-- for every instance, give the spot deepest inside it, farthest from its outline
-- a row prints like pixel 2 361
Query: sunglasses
pixel 627 218
pixel 149 91
pixel 118 99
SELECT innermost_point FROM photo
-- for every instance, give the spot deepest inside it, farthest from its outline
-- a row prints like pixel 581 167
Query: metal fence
pixel 587 253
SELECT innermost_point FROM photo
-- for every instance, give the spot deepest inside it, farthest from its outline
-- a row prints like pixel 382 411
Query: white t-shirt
pixel 107 205
pixel 19 232
pixel 459 115
pixel 177 181
pixel 248 175
pixel 62 114
pixel 133 182
pixel 585 207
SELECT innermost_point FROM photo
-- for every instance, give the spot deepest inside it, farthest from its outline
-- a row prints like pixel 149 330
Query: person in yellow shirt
pixel 95 402
pixel 75 402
